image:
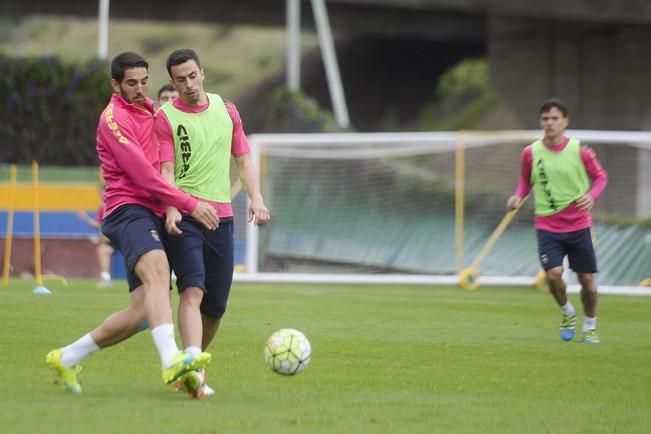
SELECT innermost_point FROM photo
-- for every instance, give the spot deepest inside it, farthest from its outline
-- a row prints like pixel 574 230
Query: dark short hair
pixel 165 88
pixel 551 103
pixel 180 56
pixel 124 61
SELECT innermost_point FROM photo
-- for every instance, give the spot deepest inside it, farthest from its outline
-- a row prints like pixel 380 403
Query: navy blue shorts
pixel 578 246
pixel 134 230
pixel 204 259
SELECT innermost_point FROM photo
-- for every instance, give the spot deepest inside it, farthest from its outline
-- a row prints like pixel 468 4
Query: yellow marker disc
pixel 469 279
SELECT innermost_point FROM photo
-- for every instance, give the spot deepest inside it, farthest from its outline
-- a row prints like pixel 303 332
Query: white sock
pixel 105 275
pixel 163 336
pixel 568 309
pixel 77 351
pixel 589 324
pixel 192 350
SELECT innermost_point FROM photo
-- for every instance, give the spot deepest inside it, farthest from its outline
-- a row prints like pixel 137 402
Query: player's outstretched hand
pixel 172 219
pixel 259 212
pixel 205 214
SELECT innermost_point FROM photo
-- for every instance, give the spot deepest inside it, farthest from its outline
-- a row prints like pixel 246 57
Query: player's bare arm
pixel 258 212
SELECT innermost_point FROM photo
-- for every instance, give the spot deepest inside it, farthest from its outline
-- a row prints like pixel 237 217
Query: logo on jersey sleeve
pixel 113 126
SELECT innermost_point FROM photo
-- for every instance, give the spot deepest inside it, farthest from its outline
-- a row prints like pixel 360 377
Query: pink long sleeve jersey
pixel 129 156
pixel 571 218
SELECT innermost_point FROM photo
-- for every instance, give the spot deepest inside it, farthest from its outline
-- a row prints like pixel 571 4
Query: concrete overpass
pixel 592 53
pixel 377 16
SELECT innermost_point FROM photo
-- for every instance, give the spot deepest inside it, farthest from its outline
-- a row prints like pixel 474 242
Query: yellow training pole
pixel 499 230
pixel 58 277
pixel 459 198
pixel 37 226
pixel 10 224
pixel 38 276
pixel 469 277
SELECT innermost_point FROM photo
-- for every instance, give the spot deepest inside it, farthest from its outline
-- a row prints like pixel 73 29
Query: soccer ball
pixel 287 352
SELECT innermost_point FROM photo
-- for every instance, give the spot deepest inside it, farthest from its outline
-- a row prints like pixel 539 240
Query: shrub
pixel 293 112
pixel 50 110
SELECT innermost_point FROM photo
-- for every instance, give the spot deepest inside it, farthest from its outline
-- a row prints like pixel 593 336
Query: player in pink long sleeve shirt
pixel 128 153
pixel 566 179
pixel 572 218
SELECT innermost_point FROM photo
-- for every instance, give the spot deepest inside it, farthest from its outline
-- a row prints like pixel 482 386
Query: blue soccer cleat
pixel 568 327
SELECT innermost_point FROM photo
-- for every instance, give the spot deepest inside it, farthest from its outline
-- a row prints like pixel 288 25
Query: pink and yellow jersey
pixel 239 143
pixel 129 157
pixel 571 218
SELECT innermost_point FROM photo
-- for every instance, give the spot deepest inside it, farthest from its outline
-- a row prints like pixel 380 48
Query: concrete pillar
pixel 600 70
pixel 644 180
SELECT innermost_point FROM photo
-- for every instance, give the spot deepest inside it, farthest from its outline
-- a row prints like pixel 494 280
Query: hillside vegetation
pixel 234 58
pixel 239 59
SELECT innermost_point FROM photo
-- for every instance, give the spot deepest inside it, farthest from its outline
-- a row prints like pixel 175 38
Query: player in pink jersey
pixel 566 179
pixel 128 152
pixel 199 134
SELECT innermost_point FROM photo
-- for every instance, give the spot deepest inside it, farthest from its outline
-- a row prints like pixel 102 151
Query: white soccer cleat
pixel 207 390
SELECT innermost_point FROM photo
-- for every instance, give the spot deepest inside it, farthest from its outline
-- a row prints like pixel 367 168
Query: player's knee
pixel 153 269
pixel 586 280
pixel 191 296
pixel 214 312
pixel 555 273
pixel 153 280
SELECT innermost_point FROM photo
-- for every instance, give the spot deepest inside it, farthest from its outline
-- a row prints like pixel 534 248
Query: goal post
pixel 418 207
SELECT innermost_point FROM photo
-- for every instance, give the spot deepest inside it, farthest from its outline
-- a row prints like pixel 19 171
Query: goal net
pixel 419 207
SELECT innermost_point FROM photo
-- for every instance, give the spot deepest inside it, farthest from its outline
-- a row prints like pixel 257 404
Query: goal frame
pixel 455 141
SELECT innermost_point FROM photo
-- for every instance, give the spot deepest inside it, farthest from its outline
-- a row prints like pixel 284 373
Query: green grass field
pixel 385 360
